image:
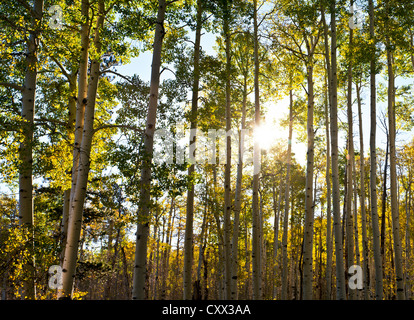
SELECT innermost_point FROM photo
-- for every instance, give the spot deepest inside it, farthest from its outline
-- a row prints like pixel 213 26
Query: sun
pixel 268 134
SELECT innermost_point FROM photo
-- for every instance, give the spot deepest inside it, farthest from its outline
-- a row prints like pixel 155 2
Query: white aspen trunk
pixel 256 256
pixel 66 193
pixel 26 146
pixel 393 177
pixel 65 222
pixel 365 251
pixel 138 290
pixel 356 232
pixel 82 93
pixel 237 200
pixel 81 101
pixel 328 106
pixel 340 272
pixel 167 250
pixel 188 238
pixel 407 240
pixel 79 192
pixel 276 211
pixel 328 271
pixel 349 168
pixel 373 170
pixel 309 213
pixel 227 166
pixel 284 287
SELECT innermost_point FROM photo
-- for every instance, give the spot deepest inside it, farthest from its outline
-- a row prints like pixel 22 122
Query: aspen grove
pixel 197 149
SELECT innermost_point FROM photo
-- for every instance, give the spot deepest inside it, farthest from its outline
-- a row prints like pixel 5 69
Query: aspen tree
pixel 340 272
pixel 393 175
pixel 227 166
pixel 79 190
pixel 350 161
pixel 373 160
pixel 256 250
pixel 365 251
pixel 138 289
pixel 188 242
pixel 25 150
pixel 238 191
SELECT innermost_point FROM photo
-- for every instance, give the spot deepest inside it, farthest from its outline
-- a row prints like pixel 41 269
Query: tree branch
pixel 11 85
pixel 110 126
pixel 118 74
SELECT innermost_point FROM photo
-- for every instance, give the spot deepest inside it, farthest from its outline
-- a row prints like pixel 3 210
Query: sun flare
pixel 268 134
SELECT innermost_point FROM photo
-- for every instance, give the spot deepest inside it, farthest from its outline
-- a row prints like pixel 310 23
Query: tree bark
pixel 309 203
pixel 26 146
pixel 227 165
pixel 237 198
pixel 256 254
pixel 138 289
pixel 350 161
pixel 373 163
pixel 365 251
pixel 340 272
pixel 328 105
pixel 188 242
pixel 79 190
pixel 393 177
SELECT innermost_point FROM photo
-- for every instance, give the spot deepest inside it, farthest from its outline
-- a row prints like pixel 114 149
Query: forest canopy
pixel 196 149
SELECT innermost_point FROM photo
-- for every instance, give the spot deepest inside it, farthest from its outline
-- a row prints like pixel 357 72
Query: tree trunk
pixel 26 146
pixel 82 93
pixel 138 289
pixel 408 240
pixel 365 251
pixel 328 105
pixel 79 118
pixel 309 203
pixel 79 193
pixel 340 272
pixel 350 161
pixel 256 256
pixel 237 198
pixel 373 163
pixel 393 177
pixel 384 202
pixel 188 242
pixel 227 166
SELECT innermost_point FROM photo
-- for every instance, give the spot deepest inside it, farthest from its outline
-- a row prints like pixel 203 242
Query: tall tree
pixel 350 161
pixel 79 190
pixel 138 289
pixel 393 165
pixel 256 251
pixel 373 159
pixel 340 272
pixel 188 242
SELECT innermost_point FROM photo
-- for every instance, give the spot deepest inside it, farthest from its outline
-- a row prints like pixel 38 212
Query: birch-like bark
pixel 365 251
pixel 349 168
pixel 328 104
pixel 373 163
pixel 256 254
pixel 82 92
pixel 26 146
pixel 393 177
pixel 309 204
pixel 340 272
pixel 237 199
pixel 227 166
pixel 286 208
pixel 66 194
pixel 188 238
pixel 140 265
pixel 79 190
